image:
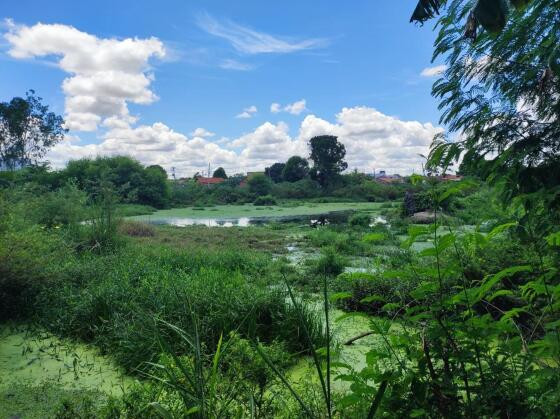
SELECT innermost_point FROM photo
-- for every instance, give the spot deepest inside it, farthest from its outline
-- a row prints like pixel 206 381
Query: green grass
pixel 249 210
pixel 128 210
pixel 270 240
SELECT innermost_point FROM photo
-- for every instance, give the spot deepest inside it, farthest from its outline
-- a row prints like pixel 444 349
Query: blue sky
pixel 141 77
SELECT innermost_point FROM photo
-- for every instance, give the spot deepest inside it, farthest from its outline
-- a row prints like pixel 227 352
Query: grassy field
pixel 249 210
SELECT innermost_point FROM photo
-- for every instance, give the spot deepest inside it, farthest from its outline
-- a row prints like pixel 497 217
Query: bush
pixel 29 260
pixel 359 220
pixel 265 200
pixel 302 189
pixel 323 237
pixel 260 185
pixel 330 263
pixel 136 229
pixel 377 291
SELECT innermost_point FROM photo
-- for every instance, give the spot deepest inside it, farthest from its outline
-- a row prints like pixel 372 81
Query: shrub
pixel 370 293
pixel 29 259
pixel 260 185
pixel 330 263
pixel 265 200
pixel 359 220
pixel 322 237
pixel 136 229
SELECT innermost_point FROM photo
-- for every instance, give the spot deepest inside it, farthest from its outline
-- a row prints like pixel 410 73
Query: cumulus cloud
pixel 296 108
pixel 293 108
pixel 433 71
pixel 275 108
pixel 105 73
pixel 247 112
pixel 202 133
pixel 372 139
pixel 150 144
pixel 250 41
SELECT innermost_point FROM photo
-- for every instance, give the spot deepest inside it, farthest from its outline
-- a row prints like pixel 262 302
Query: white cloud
pixel 294 108
pixel 202 133
pixel 105 73
pixel 247 112
pixel 372 139
pixel 250 41
pixel 433 71
pixel 230 64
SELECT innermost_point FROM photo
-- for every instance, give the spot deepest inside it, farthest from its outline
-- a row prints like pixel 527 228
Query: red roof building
pixel 452 178
pixel 209 180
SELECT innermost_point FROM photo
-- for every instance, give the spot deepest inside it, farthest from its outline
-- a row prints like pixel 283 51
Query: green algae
pixel 344 326
pixel 34 357
pixel 249 210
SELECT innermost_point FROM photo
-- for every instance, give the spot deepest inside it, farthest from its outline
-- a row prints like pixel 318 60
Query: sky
pixel 235 84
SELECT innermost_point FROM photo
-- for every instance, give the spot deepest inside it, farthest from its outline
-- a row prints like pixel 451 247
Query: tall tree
pixel 297 168
pixel 27 130
pixel 328 155
pixel 220 172
pixel 274 172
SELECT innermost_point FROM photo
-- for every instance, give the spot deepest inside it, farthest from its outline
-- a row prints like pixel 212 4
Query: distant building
pixel 209 180
pixel 450 178
pixel 383 177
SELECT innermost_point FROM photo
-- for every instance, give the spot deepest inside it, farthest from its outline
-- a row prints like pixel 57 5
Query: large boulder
pixel 423 217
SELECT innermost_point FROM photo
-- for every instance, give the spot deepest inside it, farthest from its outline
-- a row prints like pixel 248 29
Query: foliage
pixel 497 81
pixel 302 189
pixel 132 182
pixel 265 200
pixel 220 172
pixel 274 172
pixel 470 325
pixel 27 130
pixel 296 168
pixel 359 219
pixel 329 263
pixel 260 185
pixel 327 155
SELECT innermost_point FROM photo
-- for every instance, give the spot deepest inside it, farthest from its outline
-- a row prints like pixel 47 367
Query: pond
pixel 246 215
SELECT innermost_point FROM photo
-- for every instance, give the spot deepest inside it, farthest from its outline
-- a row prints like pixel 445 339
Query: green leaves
pixel 491 14
pixel 553 239
pixel 492 280
pixel 425 10
pixel 500 229
pixel 373 237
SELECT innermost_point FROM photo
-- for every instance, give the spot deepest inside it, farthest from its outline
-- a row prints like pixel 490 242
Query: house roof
pixel 209 180
pixel 451 177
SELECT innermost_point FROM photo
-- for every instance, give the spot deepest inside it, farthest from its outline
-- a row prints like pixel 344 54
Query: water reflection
pixel 332 217
pixel 208 222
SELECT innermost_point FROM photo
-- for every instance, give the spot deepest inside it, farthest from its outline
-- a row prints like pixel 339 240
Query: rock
pixel 424 217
